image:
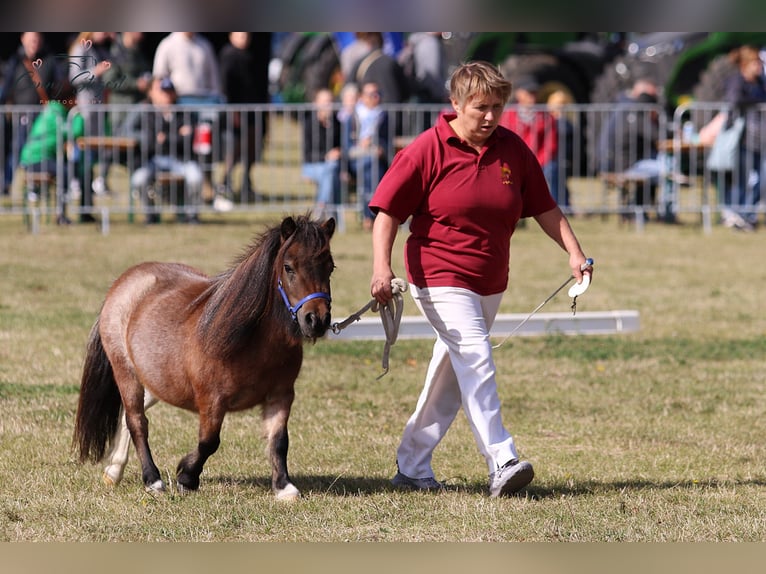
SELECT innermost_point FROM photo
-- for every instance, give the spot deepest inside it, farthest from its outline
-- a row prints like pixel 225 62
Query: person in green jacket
pixel 49 137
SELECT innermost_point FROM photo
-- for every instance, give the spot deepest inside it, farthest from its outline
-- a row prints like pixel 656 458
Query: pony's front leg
pixel 118 455
pixel 190 467
pixel 275 415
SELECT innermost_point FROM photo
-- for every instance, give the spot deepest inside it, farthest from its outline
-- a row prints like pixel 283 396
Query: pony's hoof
pixel 184 490
pixel 112 474
pixel 288 493
pixel 109 480
pixel 156 487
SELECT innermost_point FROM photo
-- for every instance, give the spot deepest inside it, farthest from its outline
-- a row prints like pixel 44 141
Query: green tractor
pixel 687 65
pixel 568 61
pixel 597 68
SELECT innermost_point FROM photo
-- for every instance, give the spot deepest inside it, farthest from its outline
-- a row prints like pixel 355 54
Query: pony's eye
pixel 289 268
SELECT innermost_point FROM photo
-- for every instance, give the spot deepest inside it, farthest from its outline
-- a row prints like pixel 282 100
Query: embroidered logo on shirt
pixel 505 172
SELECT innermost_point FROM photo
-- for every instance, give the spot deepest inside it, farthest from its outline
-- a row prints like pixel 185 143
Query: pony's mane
pixel 242 296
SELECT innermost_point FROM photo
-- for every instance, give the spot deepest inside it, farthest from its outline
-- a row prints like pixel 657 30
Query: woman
pixel 536 127
pixel 364 141
pixel 744 92
pixel 321 151
pixel 465 183
pixel 88 61
pixel 42 149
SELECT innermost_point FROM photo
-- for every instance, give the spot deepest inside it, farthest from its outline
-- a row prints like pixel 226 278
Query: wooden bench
pixel 167 179
pixel 39 189
pixel 168 188
pixel 627 185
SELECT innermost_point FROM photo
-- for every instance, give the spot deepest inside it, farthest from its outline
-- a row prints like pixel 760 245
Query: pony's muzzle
pixel 315 322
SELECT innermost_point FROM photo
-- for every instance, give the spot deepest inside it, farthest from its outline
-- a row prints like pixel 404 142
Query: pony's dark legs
pixel 135 401
pixel 121 441
pixel 138 426
pixel 275 415
pixel 190 467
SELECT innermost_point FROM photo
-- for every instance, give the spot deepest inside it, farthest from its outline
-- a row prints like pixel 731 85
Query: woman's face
pixel 323 101
pixel 478 117
pixel 752 69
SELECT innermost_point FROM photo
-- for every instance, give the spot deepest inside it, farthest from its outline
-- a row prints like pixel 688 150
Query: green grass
pixel 650 436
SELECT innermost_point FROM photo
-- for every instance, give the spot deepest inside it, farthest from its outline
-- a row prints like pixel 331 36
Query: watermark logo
pixel 74 78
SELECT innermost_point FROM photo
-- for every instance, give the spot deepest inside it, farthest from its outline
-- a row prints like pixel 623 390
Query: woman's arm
pixel 556 226
pixel 383 235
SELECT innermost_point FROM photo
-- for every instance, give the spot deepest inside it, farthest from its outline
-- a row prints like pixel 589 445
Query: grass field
pixel 653 436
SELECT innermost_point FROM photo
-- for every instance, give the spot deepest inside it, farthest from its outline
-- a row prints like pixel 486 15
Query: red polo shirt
pixel 464 205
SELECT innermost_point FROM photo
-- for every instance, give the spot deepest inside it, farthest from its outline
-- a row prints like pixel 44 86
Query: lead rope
pixel 390 316
pixel 574 291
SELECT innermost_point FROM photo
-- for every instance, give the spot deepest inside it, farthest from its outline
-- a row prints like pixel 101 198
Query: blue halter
pixel 294 308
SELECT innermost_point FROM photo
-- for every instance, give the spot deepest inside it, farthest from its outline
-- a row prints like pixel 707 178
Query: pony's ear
pixel 329 227
pixel 288 227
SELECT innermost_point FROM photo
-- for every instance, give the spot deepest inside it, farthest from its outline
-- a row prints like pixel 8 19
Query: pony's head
pixel 304 266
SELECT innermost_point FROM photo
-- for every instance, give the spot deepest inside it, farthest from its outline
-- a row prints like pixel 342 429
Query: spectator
pixel 628 140
pixel 130 75
pixel 377 66
pixel 424 64
pixel 365 142
pixel 562 164
pixel 321 151
pixel 246 130
pixel 352 54
pixel 536 127
pixel 356 45
pixel 745 90
pixel 464 184
pixel 127 81
pixel 40 153
pixel 164 137
pixel 31 77
pixel 349 96
pixel 88 62
pixel 189 60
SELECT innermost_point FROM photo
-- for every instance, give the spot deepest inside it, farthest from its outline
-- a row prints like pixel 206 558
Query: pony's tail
pixel 98 410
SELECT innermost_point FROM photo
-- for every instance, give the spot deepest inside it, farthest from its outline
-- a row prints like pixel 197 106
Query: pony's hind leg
pixel 138 426
pixel 118 455
pixel 275 415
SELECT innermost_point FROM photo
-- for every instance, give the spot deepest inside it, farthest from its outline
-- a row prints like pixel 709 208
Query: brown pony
pixel 206 344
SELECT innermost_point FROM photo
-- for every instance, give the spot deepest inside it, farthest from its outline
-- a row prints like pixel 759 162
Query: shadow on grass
pixel 361 486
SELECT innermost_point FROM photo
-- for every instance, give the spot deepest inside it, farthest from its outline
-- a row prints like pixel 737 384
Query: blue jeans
pixel 368 171
pixel 742 191
pixel 552 172
pixel 326 175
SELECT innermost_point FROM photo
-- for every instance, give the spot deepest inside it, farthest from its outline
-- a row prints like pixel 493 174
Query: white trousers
pixel 461 373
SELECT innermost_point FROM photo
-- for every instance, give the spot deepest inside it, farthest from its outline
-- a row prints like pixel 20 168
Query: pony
pixel 168 332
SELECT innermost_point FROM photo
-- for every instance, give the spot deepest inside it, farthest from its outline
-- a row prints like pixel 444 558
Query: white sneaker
pixel 75 191
pixel 222 204
pixel 733 219
pixel 99 186
pixel 511 477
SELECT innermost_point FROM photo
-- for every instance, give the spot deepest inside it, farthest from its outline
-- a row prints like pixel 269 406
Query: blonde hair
pixel 559 98
pixel 743 55
pixel 478 78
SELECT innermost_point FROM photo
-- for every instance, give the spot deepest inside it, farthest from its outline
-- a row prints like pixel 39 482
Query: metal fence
pixel 632 161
